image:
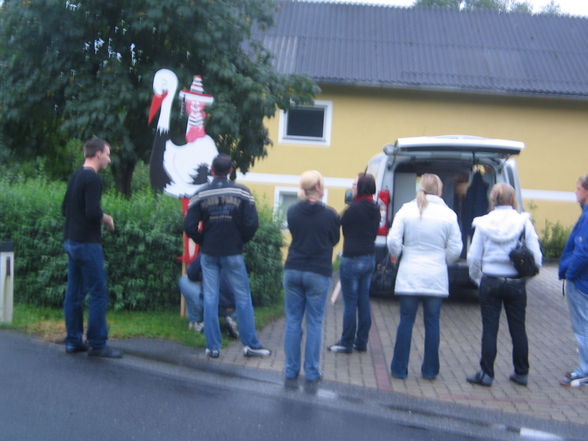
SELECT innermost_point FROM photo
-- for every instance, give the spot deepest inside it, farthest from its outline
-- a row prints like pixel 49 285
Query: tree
pixel 551 8
pixel 470 5
pixel 79 68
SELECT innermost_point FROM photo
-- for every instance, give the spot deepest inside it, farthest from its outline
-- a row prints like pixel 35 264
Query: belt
pixel 504 278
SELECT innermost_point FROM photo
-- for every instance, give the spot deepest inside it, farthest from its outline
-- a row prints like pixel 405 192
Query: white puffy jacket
pixel 495 235
pixel 427 244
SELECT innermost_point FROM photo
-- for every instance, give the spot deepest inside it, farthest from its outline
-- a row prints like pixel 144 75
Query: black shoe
pixel 105 352
pixel 480 378
pixel 72 349
pixel 521 380
pixel 359 348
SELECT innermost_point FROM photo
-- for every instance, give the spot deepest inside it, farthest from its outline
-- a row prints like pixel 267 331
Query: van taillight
pixel 383 203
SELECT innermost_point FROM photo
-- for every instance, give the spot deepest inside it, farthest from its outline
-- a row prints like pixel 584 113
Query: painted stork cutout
pixel 180 170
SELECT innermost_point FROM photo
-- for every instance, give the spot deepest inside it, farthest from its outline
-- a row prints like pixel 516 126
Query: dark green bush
pixel 263 257
pixel 553 239
pixel 141 255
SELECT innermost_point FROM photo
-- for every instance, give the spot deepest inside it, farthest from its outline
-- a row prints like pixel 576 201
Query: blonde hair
pixel 430 184
pixel 503 194
pixel 310 181
pixel 583 181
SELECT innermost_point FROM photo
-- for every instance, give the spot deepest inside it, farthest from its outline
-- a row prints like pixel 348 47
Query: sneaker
pixel 231 327
pixel 105 352
pixel 212 353
pixel 198 327
pixel 481 378
pixel 521 380
pixel 337 348
pixel 256 352
pixel 572 379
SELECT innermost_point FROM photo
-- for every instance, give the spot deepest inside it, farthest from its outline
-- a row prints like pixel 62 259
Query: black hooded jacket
pixel 315 231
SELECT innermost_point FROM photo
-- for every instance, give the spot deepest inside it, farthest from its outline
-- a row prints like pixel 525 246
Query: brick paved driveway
pixel 552 352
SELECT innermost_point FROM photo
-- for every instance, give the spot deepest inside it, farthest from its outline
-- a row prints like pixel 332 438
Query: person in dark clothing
pixel 229 220
pixel 191 288
pixel 83 220
pixel 360 222
pixel 315 231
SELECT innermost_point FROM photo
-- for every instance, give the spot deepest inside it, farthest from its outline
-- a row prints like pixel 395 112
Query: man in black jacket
pixel 83 220
pixel 229 220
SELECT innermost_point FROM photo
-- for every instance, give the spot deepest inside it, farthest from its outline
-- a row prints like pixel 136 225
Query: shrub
pixel 141 255
pixel 553 239
pixel 263 255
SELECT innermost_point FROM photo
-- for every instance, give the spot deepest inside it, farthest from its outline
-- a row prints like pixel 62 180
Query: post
pixel 6 280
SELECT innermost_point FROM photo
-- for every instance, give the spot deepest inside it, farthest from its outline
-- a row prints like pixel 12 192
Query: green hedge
pixel 141 255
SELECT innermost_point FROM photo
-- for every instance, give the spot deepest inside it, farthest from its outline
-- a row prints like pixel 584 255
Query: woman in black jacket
pixel 360 223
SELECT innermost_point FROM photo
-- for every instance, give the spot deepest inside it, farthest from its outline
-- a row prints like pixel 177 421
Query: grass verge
pixel 48 324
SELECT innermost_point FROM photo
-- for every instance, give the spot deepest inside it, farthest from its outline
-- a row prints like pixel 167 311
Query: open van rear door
pixel 458 146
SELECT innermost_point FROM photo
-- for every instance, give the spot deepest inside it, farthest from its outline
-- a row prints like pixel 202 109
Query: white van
pixel 468 166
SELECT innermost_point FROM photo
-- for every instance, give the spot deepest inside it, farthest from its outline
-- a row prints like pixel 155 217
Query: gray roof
pixel 432 49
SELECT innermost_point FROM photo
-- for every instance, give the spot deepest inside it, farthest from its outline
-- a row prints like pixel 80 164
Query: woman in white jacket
pixel 426 233
pixel 495 235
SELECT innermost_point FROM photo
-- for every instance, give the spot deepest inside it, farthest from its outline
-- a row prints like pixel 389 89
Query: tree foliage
pixel 471 5
pixel 81 68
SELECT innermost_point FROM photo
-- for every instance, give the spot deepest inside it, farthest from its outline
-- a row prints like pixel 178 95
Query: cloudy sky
pixel 573 7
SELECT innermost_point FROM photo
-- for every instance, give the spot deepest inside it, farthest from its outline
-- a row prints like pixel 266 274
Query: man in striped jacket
pixel 229 220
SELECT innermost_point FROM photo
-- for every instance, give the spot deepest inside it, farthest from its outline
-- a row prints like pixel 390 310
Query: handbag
pixel 522 258
pixel 384 277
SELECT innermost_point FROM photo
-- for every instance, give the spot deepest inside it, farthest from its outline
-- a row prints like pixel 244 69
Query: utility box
pixel 6 280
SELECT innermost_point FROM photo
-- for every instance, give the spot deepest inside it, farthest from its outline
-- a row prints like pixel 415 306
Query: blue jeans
pixel 578 305
pixel 85 275
pixel 494 292
pixel 431 312
pixel 234 270
pixel 356 276
pixel 304 292
pixel 192 292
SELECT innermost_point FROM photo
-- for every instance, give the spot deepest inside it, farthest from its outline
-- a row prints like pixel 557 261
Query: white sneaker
pixel 256 352
pixel 198 326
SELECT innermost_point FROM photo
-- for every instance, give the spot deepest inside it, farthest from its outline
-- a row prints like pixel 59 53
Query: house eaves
pixel 431 49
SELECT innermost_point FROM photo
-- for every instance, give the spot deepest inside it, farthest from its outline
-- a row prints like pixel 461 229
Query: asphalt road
pixel 46 395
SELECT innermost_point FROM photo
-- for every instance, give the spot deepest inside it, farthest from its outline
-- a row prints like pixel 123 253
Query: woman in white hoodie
pixel 425 231
pixel 495 235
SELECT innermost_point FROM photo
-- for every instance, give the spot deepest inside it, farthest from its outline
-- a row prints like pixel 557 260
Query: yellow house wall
pixel 365 119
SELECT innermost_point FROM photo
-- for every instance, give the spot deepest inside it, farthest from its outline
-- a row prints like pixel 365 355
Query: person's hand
pixel 108 221
pixel 394 259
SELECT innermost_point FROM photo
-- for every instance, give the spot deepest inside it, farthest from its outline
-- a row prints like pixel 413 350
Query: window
pixel 307 124
pixel 284 198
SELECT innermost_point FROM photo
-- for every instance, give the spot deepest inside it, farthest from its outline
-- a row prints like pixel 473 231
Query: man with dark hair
pixel 229 220
pixel 83 219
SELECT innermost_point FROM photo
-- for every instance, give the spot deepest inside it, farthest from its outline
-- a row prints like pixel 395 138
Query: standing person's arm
pixel 475 253
pixel 578 261
pixel 454 242
pixel 395 236
pixel 191 222
pixel 335 231
pixel 250 220
pixel 532 242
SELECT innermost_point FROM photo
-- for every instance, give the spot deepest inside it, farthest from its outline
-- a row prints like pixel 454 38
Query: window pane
pixel 306 122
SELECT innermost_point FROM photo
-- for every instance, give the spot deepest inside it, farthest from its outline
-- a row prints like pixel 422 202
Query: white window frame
pixel 278 191
pixel 324 141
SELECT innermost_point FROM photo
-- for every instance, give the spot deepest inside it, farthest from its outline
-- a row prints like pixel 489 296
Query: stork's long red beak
pixel 155 105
